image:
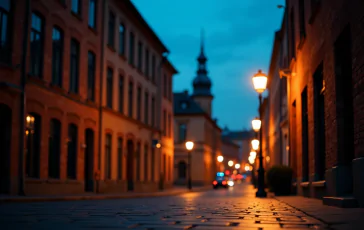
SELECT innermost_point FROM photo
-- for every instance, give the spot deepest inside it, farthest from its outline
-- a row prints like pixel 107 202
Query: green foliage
pixel 279 179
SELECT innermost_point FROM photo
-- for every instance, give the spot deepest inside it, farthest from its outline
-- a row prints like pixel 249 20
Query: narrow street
pixel 235 208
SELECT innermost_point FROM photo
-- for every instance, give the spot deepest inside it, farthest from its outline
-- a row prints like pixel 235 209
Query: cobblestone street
pixel 236 208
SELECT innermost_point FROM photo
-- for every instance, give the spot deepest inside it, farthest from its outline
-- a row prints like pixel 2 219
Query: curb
pixel 97 197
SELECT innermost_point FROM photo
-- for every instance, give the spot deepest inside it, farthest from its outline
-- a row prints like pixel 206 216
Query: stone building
pixel 194 122
pixel 230 152
pixel 94 99
pixel 322 48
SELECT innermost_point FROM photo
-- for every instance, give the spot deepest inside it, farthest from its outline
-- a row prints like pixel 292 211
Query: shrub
pixel 279 180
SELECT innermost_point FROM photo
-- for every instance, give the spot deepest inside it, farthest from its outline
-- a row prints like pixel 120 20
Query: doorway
pixel 5 143
pixel 130 165
pixel 89 160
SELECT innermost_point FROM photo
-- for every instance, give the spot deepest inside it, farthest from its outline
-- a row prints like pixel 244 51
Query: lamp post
pixel 260 85
pixel 189 147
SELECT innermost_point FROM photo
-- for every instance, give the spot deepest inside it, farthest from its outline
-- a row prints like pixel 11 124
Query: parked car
pixel 220 181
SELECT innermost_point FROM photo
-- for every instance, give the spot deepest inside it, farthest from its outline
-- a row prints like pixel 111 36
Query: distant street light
pixel 253 154
pixel 231 163
pixel 255 144
pixel 237 166
pixel 256 123
pixel 220 159
pixel 251 160
pixel 189 147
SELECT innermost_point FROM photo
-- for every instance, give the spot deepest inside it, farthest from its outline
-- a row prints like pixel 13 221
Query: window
pixel 138 161
pixel 184 105
pixel 292 34
pixel 130 97
pixel 57 56
pixel 170 89
pixel 108 156
pixel 92 14
pixel 305 156
pixel 140 56
pixel 182 132
pixel 131 49
pixel 121 39
pixel 5 46
pixel 54 149
pixel 139 103
pixel 121 94
pixel 91 76
pixel 33 140
pixel 165 86
pixel 164 123
pixel 169 125
pixel 146 156
pixel 152 162
pixel 120 158
pixel 109 84
pixel 146 108
pixel 153 68
pixel 75 62
pixel 72 151
pixel 302 18
pixel 36 45
pixel 147 63
pixel 153 112
pixel 111 34
pixel 76 7
pixel 182 168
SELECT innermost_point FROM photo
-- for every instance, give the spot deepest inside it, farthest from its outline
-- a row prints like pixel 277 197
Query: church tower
pixel 202 83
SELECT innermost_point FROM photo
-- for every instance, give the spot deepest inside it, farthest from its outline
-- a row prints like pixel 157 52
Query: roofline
pixel 170 66
pixel 130 8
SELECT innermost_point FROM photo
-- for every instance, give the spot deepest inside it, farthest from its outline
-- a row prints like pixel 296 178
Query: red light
pixel 224 182
pixel 227 172
pixel 215 182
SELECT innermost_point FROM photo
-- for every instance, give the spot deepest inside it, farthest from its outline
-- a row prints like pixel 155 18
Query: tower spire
pixel 202 40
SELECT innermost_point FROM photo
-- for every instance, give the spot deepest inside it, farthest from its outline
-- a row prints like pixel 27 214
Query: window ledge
pixel 78 16
pixel 93 30
pixel 75 96
pixel 57 88
pixel 36 79
pixel 321 183
pixel 305 184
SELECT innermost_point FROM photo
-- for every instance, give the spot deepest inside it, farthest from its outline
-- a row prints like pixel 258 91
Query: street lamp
pixel 189 147
pixel 231 163
pixel 253 154
pixel 237 166
pixel 255 144
pixel 260 84
pixel 256 123
pixel 251 159
pixel 220 159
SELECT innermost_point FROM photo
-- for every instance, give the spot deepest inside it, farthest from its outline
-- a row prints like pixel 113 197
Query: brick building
pixel 93 104
pixel 323 64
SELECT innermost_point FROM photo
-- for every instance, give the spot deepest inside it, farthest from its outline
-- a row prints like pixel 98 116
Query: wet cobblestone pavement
pixel 235 208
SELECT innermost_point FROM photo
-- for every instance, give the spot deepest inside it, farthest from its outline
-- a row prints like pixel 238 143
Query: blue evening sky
pixel 238 41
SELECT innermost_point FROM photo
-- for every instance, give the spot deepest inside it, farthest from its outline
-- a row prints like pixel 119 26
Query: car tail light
pixel 215 182
pixel 224 182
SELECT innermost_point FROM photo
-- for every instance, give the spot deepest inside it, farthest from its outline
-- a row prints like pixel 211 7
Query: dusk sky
pixel 238 41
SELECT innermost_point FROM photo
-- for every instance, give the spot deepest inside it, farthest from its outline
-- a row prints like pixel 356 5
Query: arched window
pixel 72 151
pixel 5 149
pixel 182 166
pixel 54 149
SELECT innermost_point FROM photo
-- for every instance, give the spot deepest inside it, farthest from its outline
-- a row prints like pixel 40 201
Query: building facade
pixel 324 42
pixel 194 122
pixel 78 136
pixel 230 152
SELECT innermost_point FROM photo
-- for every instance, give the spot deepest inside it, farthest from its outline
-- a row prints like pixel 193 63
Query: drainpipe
pixel 23 77
pixel 101 94
pixel 159 116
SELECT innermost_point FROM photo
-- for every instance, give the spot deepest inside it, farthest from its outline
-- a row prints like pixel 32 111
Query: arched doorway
pixel 89 160
pixel 5 143
pixel 182 170
pixel 130 165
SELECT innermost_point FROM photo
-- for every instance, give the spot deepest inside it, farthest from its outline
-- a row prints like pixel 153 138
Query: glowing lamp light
pixel 231 163
pixel 253 154
pixel 189 145
pixel 247 168
pixel 158 145
pixel 267 158
pixel 260 81
pixel 251 160
pixel 237 166
pixel 256 123
pixel 255 144
pixel 220 158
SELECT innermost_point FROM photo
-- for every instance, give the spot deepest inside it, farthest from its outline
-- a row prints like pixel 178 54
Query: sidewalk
pixel 336 218
pixel 178 190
